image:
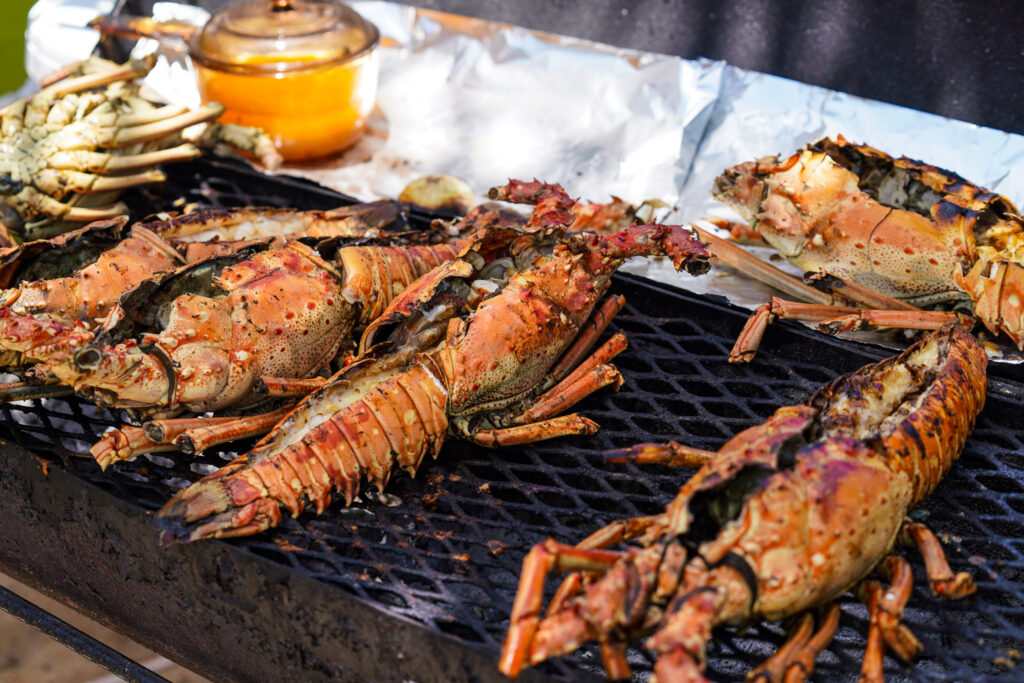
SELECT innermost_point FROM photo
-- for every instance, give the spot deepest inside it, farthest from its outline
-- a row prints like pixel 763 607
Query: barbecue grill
pixel 417 583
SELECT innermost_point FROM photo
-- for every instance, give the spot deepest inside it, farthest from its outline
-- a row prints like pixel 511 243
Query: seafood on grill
pixel 72 281
pixel 884 235
pixel 193 434
pixel 70 150
pixel 781 521
pixel 486 348
pixel 199 337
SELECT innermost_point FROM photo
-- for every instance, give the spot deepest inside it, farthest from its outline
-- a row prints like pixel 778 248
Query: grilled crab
pixel 897 233
pixel 67 152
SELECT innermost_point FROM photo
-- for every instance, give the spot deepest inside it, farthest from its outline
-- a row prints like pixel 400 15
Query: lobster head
pixel 514 301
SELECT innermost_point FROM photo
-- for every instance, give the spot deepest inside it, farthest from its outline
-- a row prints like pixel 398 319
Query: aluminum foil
pixel 487 101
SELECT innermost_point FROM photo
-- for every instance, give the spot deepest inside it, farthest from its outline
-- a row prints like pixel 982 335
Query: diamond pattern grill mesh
pixel 445 549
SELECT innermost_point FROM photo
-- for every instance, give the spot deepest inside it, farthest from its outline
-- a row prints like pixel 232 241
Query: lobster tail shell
pixel 344 432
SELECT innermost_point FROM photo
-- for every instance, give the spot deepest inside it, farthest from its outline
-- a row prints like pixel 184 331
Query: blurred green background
pixel 13 17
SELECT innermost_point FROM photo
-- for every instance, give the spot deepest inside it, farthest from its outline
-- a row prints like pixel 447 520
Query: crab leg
pixel 65 86
pixel 99 162
pixel 54 182
pixel 152 116
pixel 158 129
pixel 52 208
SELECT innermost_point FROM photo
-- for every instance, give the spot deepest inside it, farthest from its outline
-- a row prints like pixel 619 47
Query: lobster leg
pixel 832 319
pixel 775 667
pixel 747 263
pixel 750 337
pixel 886 610
pixel 568 394
pixel 566 425
pixel 941 578
pixel 591 375
pixel 126 443
pixel 587 338
pixel 543 559
pixel 794 661
pixel 282 387
pixel 20 391
pixel 197 439
pixel 672 454
pixel 614 533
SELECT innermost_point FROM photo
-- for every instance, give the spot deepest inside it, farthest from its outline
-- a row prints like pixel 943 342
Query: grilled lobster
pixel 67 152
pixel 785 518
pixel 481 348
pixel 72 281
pixel 915 234
pixel 199 337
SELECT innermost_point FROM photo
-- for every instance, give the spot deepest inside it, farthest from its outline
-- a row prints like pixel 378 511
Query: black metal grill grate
pixel 444 550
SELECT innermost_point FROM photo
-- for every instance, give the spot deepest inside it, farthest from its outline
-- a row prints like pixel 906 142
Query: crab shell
pixel 899 226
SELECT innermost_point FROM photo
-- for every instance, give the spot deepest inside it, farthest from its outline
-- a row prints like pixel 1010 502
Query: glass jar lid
pixel 274 36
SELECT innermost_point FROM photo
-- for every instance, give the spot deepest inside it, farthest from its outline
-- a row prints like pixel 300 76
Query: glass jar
pixel 305 71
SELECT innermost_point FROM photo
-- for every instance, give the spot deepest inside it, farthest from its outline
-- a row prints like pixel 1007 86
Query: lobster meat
pixel 784 518
pixel 913 234
pixel 67 152
pixel 481 348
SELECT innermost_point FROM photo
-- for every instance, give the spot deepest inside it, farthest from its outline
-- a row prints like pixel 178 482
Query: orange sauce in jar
pixel 308 113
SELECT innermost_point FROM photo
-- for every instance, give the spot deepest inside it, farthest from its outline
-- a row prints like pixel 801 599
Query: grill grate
pixel 444 550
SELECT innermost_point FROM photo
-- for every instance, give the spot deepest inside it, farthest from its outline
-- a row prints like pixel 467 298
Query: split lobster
pixel 880 233
pixel 785 518
pixel 481 348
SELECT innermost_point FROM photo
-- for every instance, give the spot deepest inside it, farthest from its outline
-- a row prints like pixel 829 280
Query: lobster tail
pixel 348 430
pixel 214 508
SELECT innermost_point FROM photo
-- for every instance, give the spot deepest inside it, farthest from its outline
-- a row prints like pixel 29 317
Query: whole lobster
pixel 881 233
pixel 785 518
pixel 200 336
pixel 71 282
pixel 482 348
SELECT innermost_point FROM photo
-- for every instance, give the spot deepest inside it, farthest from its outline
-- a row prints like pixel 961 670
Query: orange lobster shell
pixel 786 517
pixel 911 231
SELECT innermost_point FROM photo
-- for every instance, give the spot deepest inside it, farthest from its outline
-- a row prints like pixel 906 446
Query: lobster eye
pixel 88 358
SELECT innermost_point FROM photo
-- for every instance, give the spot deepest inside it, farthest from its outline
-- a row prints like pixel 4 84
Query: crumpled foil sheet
pixel 486 101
